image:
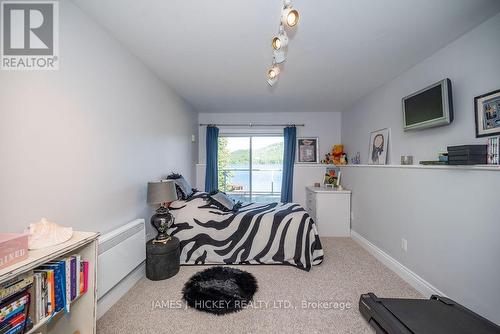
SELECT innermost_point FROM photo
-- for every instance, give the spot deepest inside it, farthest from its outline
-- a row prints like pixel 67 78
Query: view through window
pixel 250 168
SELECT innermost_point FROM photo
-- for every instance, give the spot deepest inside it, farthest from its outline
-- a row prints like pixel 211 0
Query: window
pixel 250 167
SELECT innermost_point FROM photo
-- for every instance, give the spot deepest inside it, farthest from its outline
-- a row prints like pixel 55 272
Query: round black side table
pixel 162 259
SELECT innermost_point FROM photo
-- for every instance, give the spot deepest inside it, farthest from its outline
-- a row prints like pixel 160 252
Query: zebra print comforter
pixel 270 233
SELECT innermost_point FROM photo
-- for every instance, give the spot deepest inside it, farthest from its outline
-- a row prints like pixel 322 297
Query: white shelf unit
pixel 331 210
pixel 82 315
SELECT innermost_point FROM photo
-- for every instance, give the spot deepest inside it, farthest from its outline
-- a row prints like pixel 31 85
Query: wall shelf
pixel 443 167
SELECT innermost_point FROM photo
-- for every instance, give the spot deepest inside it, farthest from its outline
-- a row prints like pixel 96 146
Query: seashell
pixel 46 233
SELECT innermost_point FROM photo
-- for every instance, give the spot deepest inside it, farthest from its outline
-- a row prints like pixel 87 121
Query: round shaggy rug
pixel 220 290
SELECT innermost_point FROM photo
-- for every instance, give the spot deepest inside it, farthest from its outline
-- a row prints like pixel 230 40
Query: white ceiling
pixel 215 53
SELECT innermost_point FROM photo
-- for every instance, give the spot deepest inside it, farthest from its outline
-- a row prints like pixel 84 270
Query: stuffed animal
pixel 343 159
pixel 337 152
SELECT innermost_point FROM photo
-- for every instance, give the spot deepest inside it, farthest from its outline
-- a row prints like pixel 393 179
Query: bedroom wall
pixel 449 217
pixel 325 125
pixel 79 145
pixel 472 62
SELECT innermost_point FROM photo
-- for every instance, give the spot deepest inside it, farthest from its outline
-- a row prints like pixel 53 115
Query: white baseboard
pixel 417 282
pixel 119 290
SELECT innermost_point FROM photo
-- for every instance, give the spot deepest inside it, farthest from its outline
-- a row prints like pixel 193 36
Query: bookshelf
pixel 82 315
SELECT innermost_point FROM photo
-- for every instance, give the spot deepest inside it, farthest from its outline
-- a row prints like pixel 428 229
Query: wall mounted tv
pixel 429 107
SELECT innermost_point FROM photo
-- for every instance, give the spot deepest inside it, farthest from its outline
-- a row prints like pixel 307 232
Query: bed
pixel 258 233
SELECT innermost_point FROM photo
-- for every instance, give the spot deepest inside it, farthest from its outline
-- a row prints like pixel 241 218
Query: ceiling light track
pixel 289 20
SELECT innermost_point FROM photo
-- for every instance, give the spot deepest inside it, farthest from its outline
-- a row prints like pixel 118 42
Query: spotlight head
pixel 272 75
pixel 279 42
pixel 290 17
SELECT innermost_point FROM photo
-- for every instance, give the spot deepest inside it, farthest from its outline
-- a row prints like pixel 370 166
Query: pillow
pixel 184 190
pixel 223 202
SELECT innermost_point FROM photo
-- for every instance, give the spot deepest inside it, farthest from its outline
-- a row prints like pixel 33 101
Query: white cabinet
pixel 331 210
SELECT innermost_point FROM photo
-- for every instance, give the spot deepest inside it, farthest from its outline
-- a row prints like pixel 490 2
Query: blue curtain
pixel 211 181
pixel 290 139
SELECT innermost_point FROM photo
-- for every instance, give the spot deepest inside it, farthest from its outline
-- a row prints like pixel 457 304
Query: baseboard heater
pixel 120 252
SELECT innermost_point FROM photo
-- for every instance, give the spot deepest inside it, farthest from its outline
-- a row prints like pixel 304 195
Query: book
pixel 37 302
pixel 67 262
pixel 50 291
pixel 78 267
pixel 44 293
pixel 82 279
pixel 15 285
pixel 85 276
pixel 73 278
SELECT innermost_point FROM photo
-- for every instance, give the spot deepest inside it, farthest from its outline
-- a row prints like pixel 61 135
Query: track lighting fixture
pixel 289 19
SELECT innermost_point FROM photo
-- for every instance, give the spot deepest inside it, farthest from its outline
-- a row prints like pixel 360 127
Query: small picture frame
pixel 487 114
pixel 379 144
pixel 308 150
pixel 332 176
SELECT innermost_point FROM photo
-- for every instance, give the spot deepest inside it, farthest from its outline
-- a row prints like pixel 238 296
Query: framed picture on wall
pixel 487 114
pixel 379 144
pixel 308 150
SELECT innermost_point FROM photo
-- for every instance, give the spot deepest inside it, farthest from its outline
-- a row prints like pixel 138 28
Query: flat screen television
pixel 429 107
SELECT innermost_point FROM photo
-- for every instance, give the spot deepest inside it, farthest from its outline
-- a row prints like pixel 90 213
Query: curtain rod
pixel 251 125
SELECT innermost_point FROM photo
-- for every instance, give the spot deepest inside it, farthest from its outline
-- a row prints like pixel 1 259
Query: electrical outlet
pixel 404 244
pixel 193 138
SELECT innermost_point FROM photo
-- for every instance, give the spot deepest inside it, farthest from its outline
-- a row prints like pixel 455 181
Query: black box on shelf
pixel 468 155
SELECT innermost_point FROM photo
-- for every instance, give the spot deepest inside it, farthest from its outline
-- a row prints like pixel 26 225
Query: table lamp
pixel 161 192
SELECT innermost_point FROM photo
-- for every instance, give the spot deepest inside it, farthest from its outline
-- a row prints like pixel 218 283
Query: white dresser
pixel 331 210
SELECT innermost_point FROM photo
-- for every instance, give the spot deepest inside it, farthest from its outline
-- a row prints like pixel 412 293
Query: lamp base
pixel 161 221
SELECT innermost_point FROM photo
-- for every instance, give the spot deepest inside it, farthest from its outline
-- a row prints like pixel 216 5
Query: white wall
pixel 325 125
pixel 449 217
pixel 472 62
pixel 78 145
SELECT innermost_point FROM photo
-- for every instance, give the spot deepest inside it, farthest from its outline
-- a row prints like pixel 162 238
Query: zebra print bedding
pixel 259 233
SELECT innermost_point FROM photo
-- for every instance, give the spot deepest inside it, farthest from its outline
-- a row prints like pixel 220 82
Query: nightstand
pixel 331 210
pixel 162 259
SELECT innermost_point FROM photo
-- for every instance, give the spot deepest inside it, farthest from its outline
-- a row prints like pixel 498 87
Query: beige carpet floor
pixel 287 300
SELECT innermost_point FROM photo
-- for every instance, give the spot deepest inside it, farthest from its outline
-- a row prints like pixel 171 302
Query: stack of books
pixel 14 304
pixel 57 284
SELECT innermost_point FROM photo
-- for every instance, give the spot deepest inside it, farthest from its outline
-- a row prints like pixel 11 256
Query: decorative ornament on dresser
pixel 161 192
pixel 46 233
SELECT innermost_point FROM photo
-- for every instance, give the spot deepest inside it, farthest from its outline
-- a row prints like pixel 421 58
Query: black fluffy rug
pixel 220 290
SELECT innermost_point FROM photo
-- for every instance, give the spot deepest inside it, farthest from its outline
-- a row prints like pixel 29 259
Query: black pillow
pixel 183 188
pixel 223 202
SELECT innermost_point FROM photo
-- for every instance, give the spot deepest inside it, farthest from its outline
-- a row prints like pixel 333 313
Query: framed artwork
pixel 307 150
pixel 487 114
pixel 332 176
pixel 379 144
